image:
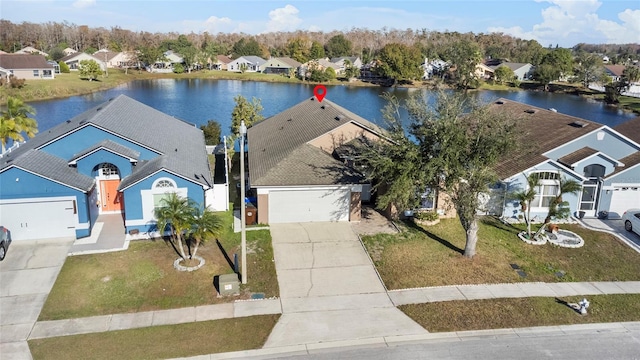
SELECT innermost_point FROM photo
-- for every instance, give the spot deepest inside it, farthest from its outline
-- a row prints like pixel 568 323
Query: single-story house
pixel 483 71
pixel 74 59
pixel 317 64
pixel 26 66
pixel 220 62
pixel 342 61
pixel 104 161
pixel 614 71
pixel 31 50
pixel 280 65
pixel 522 71
pixel 115 59
pixel 605 160
pixel 68 51
pixel 294 169
pixel 252 63
pixel 433 68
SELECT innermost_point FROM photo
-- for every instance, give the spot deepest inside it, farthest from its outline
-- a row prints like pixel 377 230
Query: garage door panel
pixel 309 205
pixel 624 198
pixel 39 219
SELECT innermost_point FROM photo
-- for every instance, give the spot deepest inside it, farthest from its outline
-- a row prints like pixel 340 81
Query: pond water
pixel 199 100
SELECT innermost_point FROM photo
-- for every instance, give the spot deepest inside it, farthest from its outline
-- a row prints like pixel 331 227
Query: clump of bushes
pixel 13 82
pixel 426 215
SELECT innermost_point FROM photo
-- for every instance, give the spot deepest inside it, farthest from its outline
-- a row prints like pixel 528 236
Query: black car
pixel 5 240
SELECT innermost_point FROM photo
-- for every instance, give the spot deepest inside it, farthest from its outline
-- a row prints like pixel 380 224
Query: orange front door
pixel 111 199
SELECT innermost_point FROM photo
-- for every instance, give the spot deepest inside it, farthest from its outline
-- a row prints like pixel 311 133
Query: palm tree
pixel 556 208
pixel 177 213
pixel 15 121
pixel 205 222
pixel 526 197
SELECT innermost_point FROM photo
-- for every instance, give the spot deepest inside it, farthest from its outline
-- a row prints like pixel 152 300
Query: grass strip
pixel 521 312
pixel 160 342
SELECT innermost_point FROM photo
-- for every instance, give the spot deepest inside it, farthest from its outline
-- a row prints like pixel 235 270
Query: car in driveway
pixel 631 220
pixel 5 240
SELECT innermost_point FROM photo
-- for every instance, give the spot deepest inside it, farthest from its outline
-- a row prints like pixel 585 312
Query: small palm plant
pixel 177 214
pixel 15 121
pixel 557 207
pixel 527 196
pixel 205 223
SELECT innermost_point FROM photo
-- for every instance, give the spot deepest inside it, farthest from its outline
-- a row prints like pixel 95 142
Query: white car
pixel 631 219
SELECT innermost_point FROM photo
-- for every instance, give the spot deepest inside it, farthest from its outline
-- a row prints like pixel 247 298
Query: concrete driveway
pixel 27 275
pixel 615 227
pixel 329 288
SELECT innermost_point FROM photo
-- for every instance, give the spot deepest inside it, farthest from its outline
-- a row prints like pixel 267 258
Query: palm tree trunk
pixel 195 248
pixel 180 247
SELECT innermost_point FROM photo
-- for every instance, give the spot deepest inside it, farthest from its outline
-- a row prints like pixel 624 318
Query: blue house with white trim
pixel 605 160
pixel 121 157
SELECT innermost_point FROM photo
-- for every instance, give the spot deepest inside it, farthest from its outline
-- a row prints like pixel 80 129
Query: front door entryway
pixel 110 198
pixel 589 198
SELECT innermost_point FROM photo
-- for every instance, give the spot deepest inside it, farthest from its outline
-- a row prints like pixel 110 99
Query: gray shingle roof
pixel 276 142
pixel 182 143
pixel 111 146
pixel 24 61
pixel 51 167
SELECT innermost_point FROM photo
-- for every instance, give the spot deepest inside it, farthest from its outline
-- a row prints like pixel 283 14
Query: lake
pixel 199 100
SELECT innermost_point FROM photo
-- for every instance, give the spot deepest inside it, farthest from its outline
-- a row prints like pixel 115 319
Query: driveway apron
pixel 329 288
pixel 27 275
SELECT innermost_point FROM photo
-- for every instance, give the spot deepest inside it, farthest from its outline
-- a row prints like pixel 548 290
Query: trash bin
pixel 251 214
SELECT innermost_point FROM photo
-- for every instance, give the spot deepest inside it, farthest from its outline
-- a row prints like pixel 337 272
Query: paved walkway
pixel 614 227
pixel 108 234
pixel 327 281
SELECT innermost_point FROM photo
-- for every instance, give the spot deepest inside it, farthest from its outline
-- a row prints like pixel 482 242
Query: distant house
pixel 26 66
pixel 220 62
pixel 342 61
pixel 31 50
pixel 433 68
pixel 115 59
pixel 252 63
pixel 522 71
pixel 279 65
pixel 317 64
pixel 74 59
pixel 614 71
pixel 68 51
pixel 483 71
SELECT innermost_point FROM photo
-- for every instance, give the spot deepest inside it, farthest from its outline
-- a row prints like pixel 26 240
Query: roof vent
pixel 311 99
pixel 322 107
pixel 83 121
pixel 499 102
pixel 531 111
pixel 339 117
pixel 9 160
pixel 290 119
pixel 579 124
pixel 98 109
pixel 68 121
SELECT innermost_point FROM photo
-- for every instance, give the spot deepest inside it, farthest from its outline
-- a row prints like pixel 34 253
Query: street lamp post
pixel 243 231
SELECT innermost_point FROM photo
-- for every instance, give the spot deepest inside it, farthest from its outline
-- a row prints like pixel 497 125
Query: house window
pixel 107 169
pixel 46 73
pixel 164 183
pixel 547 189
pixel 36 73
pixel 158 200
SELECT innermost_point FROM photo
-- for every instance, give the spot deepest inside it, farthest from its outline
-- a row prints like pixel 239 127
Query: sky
pixel 550 22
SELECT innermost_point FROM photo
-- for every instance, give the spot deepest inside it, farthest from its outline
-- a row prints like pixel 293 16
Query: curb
pixel 392 341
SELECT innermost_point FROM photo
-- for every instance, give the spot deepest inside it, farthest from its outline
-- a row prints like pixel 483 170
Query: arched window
pixel 165 184
pixel 107 169
pixel 594 171
pixel 161 190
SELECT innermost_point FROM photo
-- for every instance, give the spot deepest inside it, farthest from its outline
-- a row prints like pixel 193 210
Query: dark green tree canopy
pixel 338 46
pixel 244 47
pixel 212 132
pixel 317 51
pixel 400 62
pixel 463 55
pixel 249 112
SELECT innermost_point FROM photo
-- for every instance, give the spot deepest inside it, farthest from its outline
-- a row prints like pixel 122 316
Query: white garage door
pixel 39 219
pixel 623 199
pixel 288 206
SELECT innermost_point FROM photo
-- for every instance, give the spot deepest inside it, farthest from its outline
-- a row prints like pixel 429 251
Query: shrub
pixel 178 68
pixel 64 68
pixel 13 82
pixel 426 215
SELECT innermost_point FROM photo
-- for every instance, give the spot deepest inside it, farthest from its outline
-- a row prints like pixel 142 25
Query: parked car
pixel 631 219
pixel 5 240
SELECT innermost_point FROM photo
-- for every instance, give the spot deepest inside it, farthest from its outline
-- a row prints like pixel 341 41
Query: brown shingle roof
pixel 275 143
pixel 630 129
pixel 24 61
pixel 542 130
pixel 628 161
pixel 577 155
pixel 615 70
pixel 223 59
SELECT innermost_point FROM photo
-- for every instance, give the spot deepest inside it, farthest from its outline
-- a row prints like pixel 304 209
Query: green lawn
pixel 142 278
pixel 431 256
pixel 160 342
pixel 524 312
